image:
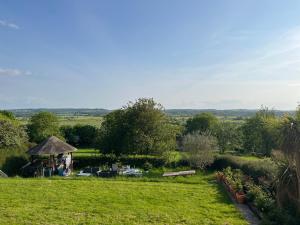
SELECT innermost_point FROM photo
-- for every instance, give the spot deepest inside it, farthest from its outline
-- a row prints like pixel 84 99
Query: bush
pixel 12 165
pixel 254 168
pixel 134 161
pixel 147 166
pixel 200 149
pixel 9 152
pixel 261 199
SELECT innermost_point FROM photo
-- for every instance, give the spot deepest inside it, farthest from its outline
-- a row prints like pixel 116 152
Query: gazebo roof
pixel 51 146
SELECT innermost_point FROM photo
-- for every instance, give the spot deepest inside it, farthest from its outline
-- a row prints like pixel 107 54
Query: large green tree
pixel 201 123
pixel 12 133
pixel 229 136
pixel 261 132
pixel 80 135
pixel 43 125
pixel 290 145
pixel 200 148
pixel 138 128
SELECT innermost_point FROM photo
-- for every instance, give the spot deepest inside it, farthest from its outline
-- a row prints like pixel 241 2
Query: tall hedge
pixel 254 168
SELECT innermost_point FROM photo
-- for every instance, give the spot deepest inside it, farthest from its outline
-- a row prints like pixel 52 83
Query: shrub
pixel 254 168
pixel 135 160
pixel 147 166
pixel 261 199
pixel 200 149
pixel 12 165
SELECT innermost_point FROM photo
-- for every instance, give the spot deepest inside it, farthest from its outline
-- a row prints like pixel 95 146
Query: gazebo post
pixel 71 161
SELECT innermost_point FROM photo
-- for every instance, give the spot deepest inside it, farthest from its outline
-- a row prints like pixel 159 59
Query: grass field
pixel 73 120
pixel 193 200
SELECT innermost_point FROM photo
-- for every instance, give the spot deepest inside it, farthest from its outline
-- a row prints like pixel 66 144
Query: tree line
pixel 143 127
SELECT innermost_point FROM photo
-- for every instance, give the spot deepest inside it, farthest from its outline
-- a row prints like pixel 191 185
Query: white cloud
pixel 277 60
pixel 13 72
pixel 4 23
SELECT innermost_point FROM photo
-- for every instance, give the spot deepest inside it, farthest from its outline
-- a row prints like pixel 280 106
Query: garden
pixel 252 164
pixel 147 200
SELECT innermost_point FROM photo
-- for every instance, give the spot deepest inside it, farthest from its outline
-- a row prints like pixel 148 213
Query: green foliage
pixel 147 166
pixel 81 161
pixel 290 135
pixel 260 198
pixel 10 152
pixel 80 135
pixel 235 178
pixel 7 114
pixel 138 128
pixel 229 136
pixel 261 133
pixel 12 134
pixel 12 165
pixel 254 168
pixel 200 149
pixel 201 123
pixel 43 125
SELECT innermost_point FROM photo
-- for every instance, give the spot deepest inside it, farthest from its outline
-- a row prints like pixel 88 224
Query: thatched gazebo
pixel 60 156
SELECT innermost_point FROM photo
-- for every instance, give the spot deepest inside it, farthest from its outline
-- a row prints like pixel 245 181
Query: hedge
pixel 134 161
pixel 254 168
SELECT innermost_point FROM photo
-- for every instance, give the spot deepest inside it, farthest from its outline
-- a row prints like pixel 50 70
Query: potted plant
pixel 240 197
pixel 219 176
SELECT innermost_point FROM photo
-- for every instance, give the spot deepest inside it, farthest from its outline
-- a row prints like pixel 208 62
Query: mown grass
pixel 87 152
pixel 192 200
pixel 250 158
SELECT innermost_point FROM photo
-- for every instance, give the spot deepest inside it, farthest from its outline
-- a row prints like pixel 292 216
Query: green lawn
pixel 86 152
pixel 250 158
pixel 194 200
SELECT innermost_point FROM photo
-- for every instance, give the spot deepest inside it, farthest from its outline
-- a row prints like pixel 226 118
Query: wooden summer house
pixel 51 157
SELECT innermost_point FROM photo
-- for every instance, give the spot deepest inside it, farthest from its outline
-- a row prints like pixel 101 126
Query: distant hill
pixel 172 112
pixel 224 113
pixel 61 112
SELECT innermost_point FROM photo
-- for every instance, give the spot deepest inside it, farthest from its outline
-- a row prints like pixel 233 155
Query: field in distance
pixel 73 120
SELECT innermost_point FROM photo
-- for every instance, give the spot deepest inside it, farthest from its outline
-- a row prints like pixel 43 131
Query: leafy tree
pixel 80 135
pixel 138 128
pixel 261 132
pixel 70 135
pixel 12 134
pixel 43 125
pixel 200 149
pixel 290 145
pixel 201 123
pixel 112 132
pixel 7 114
pixel 229 136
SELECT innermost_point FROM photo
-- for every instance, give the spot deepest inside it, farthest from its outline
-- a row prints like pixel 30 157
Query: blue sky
pixel 184 54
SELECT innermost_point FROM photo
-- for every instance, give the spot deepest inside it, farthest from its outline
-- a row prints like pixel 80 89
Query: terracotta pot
pixel 220 176
pixel 240 197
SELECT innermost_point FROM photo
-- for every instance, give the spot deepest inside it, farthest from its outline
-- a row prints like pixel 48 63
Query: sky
pixel 185 54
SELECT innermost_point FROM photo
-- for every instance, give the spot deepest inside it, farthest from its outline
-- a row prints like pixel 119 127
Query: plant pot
pixel 220 176
pixel 231 189
pixel 240 197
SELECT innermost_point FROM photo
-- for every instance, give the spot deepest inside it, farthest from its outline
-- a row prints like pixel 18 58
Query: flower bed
pixel 259 196
pixel 233 183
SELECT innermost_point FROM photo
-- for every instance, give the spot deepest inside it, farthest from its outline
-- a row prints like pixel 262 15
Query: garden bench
pixel 179 173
